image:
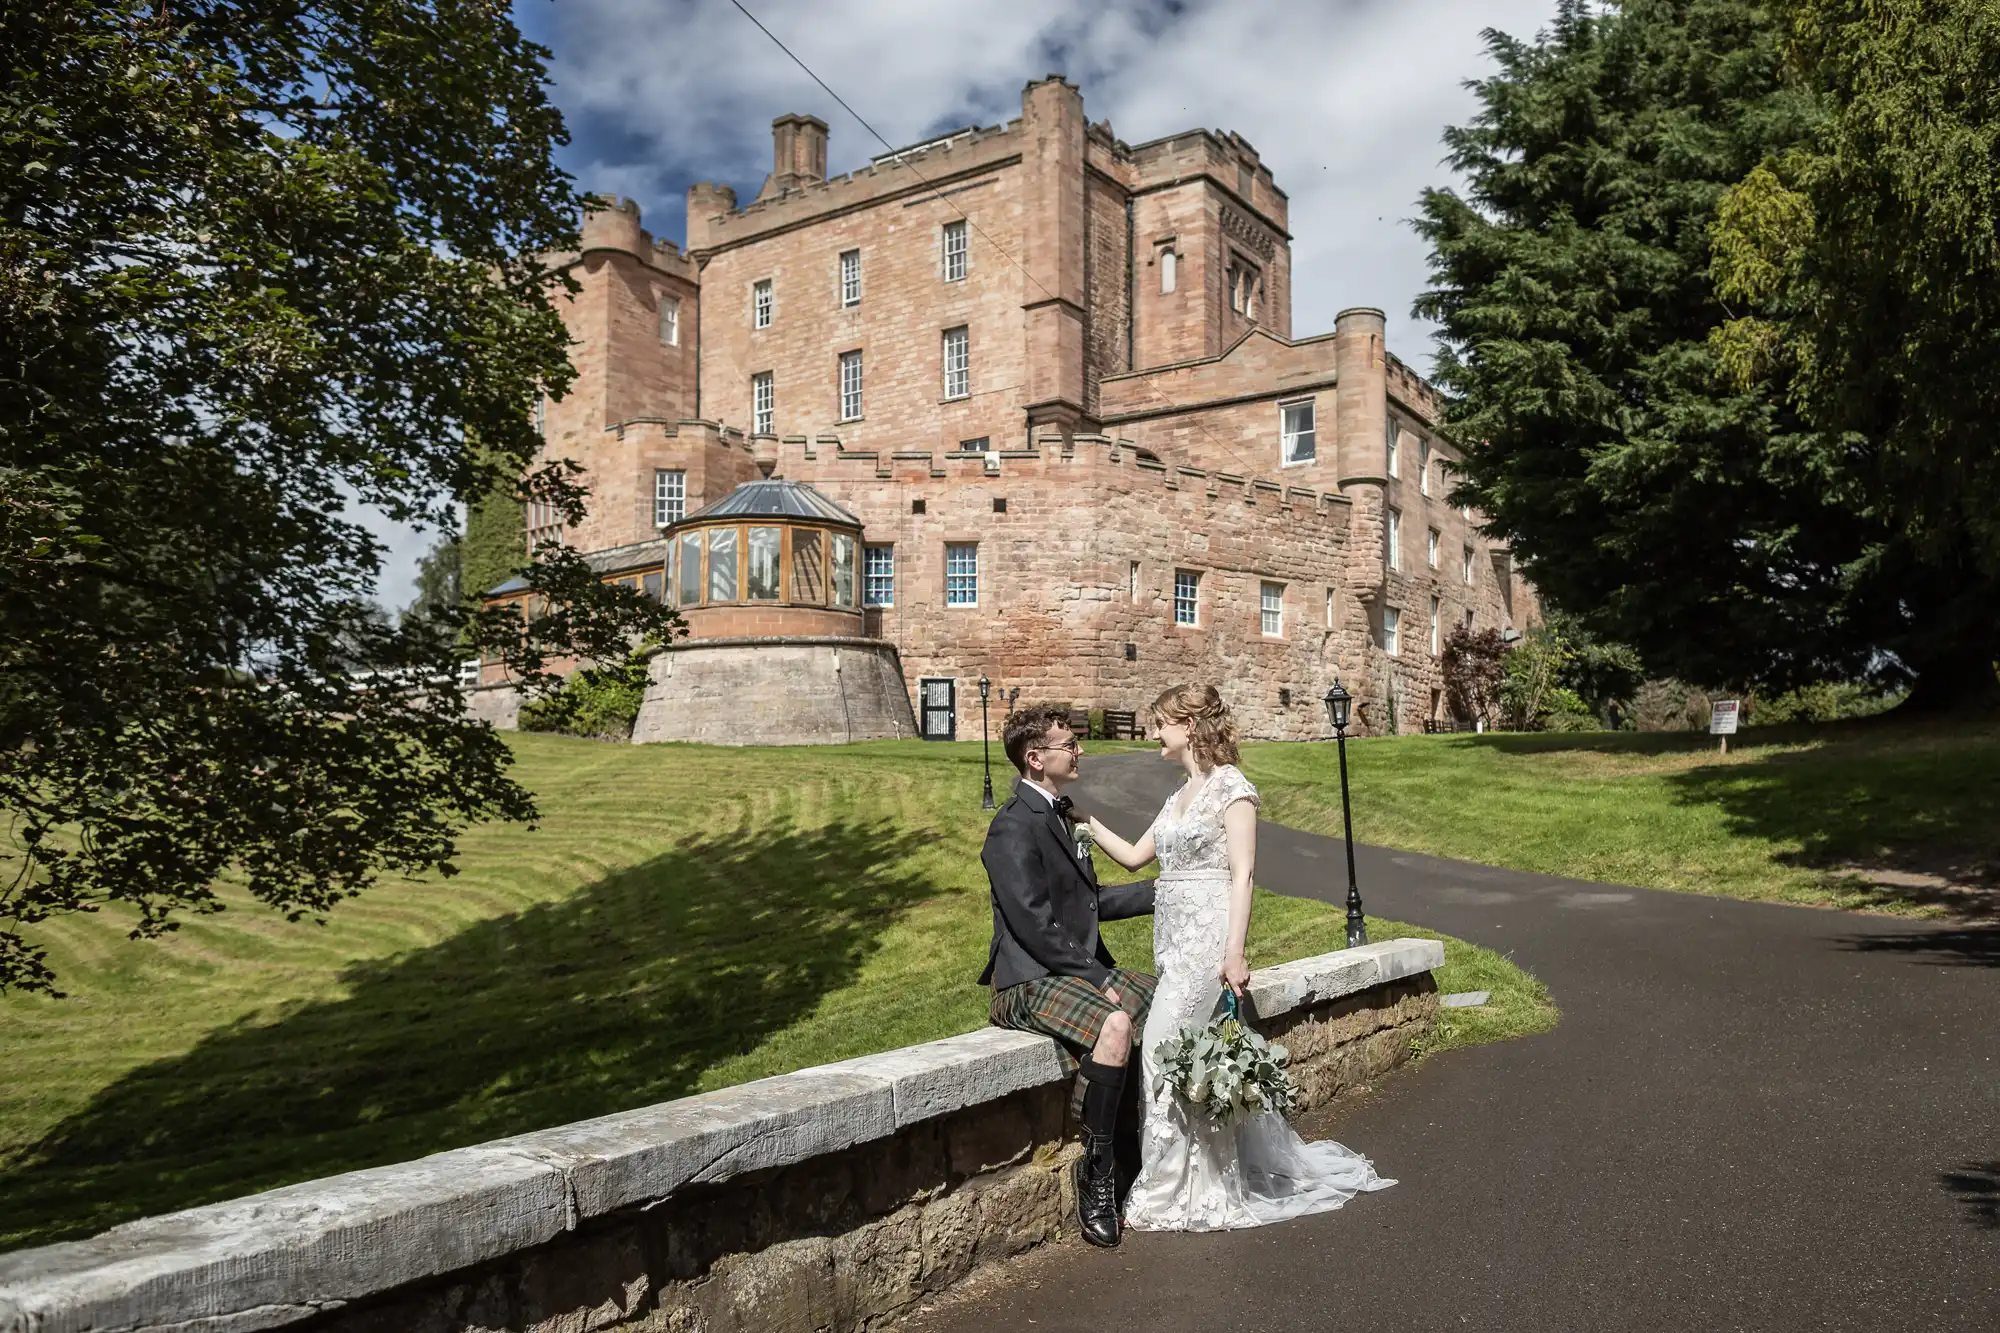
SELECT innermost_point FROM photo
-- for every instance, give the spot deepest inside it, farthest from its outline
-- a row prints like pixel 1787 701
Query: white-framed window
pixel 1329 608
pixel 670 489
pixel 1468 567
pixel 542 415
pixel 760 304
pixel 1424 466
pixel 1432 539
pixel 545 525
pixel 670 321
pixel 850 277
pixel 763 403
pixel 1394 435
pixel 1394 536
pixel 958 362
pixel 1187 597
pixel 1271 609
pixel 1436 624
pixel 954 251
pixel 961 574
pixel 1169 264
pixel 878 576
pixel 850 386
pixel 1297 434
pixel 1392 630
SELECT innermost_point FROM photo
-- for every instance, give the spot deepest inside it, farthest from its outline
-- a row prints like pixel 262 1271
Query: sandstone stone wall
pixel 834 1198
pixel 783 692
pixel 1073 349
pixel 856 1239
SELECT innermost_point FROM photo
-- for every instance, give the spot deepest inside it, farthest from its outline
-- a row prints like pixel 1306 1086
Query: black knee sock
pixel 1103 1089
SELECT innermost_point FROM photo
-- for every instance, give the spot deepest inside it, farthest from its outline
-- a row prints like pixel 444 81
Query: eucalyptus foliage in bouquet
pixel 1225 1069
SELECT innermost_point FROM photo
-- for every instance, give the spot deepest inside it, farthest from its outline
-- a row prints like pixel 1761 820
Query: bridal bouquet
pixel 1226 1069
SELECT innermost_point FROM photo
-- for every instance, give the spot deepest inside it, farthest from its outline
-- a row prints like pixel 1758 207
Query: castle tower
pixel 634 325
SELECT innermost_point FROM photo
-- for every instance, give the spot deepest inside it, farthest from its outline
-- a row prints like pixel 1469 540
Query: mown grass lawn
pixel 1890 813
pixel 682 920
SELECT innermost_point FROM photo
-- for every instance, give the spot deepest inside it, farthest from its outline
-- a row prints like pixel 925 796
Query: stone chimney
pixel 798 153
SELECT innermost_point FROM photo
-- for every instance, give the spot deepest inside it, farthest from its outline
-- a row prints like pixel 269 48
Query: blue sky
pixel 1345 100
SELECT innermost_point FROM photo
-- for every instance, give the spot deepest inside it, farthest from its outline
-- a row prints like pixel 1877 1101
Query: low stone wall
pixel 791 691
pixel 833 1198
pixel 497 704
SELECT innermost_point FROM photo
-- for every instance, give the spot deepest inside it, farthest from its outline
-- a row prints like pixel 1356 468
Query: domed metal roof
pixel 774 498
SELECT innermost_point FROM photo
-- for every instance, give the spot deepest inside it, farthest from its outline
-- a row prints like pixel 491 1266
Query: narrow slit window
pixel 850 386
pixel 954 251
pixel 850 278
pixel 957 363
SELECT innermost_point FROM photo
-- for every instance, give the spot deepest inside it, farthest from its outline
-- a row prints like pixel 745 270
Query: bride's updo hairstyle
pixel 1211 730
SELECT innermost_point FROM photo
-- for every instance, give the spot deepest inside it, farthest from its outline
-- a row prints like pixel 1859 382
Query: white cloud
pixel 1346 102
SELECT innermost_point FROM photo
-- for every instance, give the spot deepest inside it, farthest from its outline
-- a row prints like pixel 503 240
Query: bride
pixel 1195 1175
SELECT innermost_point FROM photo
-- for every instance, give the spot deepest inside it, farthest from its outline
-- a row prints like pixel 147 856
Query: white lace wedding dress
pixel 1195 1175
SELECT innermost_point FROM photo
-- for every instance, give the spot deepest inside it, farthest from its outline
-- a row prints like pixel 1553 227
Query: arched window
pixel 1168 261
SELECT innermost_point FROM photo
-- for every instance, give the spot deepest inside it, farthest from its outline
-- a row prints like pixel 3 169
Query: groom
pixel 1050 970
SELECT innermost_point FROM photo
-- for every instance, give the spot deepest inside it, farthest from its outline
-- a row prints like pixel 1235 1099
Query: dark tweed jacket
pixel 1046 901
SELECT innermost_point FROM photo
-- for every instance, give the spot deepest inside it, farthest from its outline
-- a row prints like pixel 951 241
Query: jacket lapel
pixel 1054 827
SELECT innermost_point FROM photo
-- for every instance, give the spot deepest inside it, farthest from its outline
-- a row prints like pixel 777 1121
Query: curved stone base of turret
pixel 776 691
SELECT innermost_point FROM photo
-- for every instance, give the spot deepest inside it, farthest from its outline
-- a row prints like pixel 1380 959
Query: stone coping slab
pixel 286 1254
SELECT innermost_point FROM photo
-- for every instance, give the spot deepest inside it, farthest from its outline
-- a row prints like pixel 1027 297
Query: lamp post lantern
pixel 1338 705
pixel 985 745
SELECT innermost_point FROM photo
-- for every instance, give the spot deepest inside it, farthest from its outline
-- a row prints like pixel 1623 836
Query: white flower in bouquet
pixel 1226 1068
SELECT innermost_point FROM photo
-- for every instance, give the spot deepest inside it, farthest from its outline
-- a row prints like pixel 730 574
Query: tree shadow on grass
pixel 618 996
pixel 1900 826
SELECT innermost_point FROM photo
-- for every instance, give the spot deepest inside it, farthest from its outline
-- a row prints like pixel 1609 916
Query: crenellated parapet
pixel 611 224
pixel 716 223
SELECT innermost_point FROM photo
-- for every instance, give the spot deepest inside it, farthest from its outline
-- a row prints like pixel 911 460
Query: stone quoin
pixel 1053 377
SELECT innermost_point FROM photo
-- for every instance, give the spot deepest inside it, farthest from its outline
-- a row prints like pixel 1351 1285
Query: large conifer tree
pixel 1664 499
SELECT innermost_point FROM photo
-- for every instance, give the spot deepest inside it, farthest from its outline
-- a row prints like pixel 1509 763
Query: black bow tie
pixel 1064 805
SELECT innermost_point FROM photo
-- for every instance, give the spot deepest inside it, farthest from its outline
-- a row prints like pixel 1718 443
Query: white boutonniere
pixel 1085 840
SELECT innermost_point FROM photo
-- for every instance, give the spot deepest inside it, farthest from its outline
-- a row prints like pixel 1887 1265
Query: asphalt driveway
pixel 1750 1117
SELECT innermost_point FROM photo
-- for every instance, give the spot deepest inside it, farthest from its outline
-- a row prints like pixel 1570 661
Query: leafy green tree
pixel 1865 265
pixel 257 258
pixel 1663 502
pixel 439 585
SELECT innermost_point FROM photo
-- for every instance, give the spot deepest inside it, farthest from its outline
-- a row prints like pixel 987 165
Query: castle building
pixel 1053 378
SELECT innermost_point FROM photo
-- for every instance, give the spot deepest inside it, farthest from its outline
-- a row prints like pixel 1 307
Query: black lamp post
pixel 1338 702
pixel 985 745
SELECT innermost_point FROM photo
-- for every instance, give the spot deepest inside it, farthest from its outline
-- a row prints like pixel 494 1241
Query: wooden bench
pixel 1079 722
pixel 1122 726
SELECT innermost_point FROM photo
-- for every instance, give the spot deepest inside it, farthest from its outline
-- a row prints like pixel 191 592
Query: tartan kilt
pixel 1073 1011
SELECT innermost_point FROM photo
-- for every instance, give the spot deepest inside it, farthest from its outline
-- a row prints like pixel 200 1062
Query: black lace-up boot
pixel 1097 1170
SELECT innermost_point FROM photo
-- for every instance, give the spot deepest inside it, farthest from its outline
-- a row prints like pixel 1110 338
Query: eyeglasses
pixel 1073 747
